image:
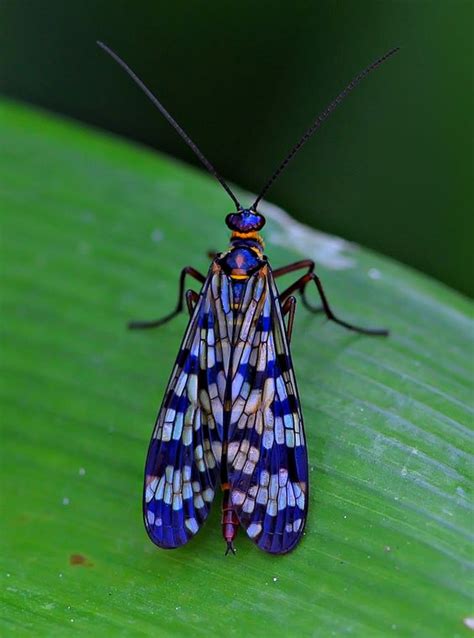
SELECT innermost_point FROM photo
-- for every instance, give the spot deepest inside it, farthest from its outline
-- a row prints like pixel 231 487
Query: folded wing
pixel 182 466
pixel 267 459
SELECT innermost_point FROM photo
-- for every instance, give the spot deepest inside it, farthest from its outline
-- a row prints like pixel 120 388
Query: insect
pixel 231 415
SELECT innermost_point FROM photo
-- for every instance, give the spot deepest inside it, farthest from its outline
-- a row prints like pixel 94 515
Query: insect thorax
pixel 243 259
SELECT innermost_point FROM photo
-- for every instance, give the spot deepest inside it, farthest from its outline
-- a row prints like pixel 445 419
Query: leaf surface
pixel 94 233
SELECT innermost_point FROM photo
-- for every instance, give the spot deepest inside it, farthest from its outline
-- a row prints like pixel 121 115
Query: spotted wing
pixel 182 466
pixel 267 458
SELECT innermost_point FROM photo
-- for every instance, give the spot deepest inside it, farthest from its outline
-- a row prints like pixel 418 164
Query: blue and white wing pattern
pixel 267 458
pixel 182 466
pixel 230 418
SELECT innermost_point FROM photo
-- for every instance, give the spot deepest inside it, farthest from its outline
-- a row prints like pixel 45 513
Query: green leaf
pixel 95 232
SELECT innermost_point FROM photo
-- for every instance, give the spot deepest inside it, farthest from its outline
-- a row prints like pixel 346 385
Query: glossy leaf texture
pixel 94 233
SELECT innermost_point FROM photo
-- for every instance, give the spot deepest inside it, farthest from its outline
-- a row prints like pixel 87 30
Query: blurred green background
pixel 391 169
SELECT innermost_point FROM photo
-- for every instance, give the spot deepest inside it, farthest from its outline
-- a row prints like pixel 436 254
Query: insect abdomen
pixel 230 522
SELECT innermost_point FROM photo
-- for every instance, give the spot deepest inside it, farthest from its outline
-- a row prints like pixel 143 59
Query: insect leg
pixel 191 300
pixel 289 308
pixel 299 265
pixel 301 283
pixel 179 307
pixel 314 309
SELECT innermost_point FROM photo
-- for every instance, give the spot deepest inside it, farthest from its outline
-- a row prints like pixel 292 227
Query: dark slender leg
pixel 191 300
pixel 311 276
pixel 314 309
pixel 289 308
pixel 299 265
pixel 212 254
pixel 179 307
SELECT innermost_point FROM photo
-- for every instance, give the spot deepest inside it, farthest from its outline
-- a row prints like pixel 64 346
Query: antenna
pixel 320 119
pixel 171 120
